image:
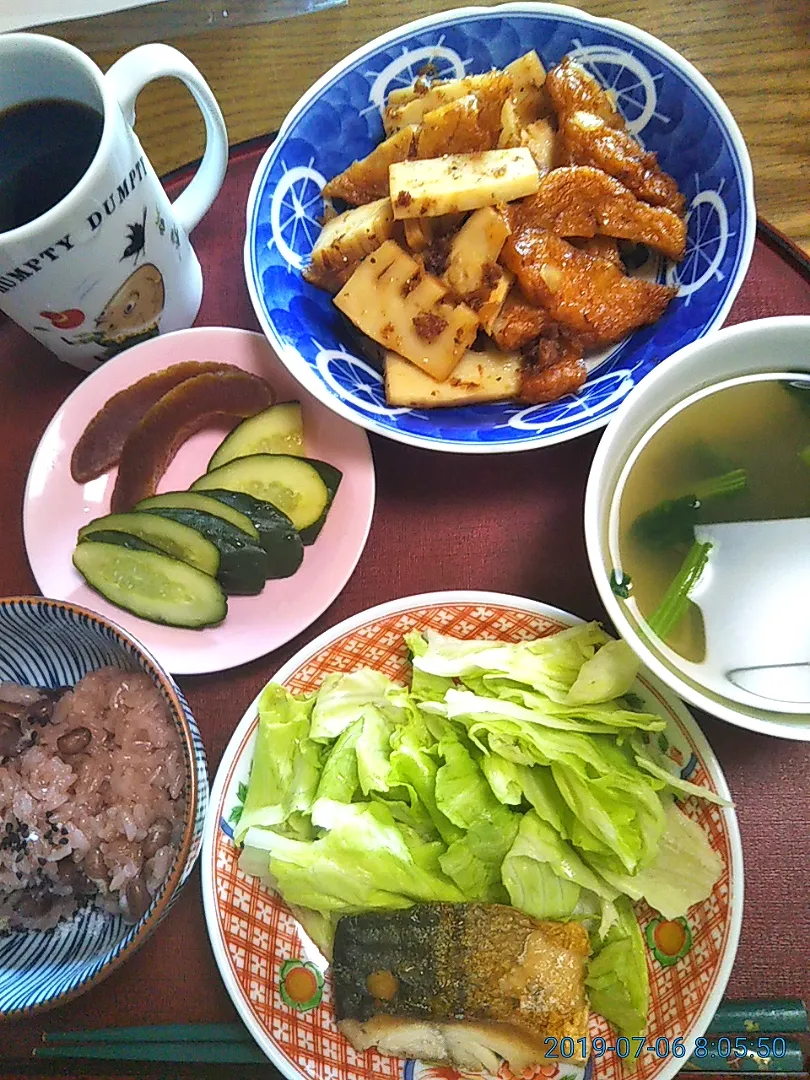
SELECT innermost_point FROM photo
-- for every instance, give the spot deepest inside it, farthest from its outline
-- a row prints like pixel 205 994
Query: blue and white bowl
pixel 49 643
pixel 669 107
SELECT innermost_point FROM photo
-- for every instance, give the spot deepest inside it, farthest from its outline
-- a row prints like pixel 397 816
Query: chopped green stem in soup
pixel 675 603
pixel 717 486
pixel 705 459
pixel 805 455
pixel 673 521
pixel 669 523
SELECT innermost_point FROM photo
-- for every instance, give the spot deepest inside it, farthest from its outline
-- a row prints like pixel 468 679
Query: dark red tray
pixel 511 524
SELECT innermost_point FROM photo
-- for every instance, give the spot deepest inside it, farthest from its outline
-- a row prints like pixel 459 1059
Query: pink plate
pixel 280 982
pixel 55 506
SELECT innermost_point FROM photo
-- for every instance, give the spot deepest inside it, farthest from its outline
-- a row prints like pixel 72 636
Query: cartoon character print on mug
pixel 110 264
pixel 151 253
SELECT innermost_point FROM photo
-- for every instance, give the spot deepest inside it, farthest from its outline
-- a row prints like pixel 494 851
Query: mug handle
pixel 128 76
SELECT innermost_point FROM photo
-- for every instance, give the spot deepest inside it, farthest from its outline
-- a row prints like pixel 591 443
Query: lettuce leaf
pixel 286 763
pixel 544 875
pixel 410 816
pixel 339 780
pixel 653 761
pixel 341 698
pixel 609 674
pixel 604 718
pixel 462 793
pixel 414 765
pixel 373 750
pixel 544 797
pixel 549 664
pixel 610 815
pixel 474 862
pixel 617 981
pixel 504 778
pixel 544 744
pixel 362 863
pixel 683 870
pixel 465 798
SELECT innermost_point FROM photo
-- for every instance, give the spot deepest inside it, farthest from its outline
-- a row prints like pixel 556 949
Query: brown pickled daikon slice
pixel 194 404
pixel 100 444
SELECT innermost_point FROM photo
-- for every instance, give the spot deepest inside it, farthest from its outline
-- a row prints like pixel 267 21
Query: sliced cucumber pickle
pixel 151 585
pixel 277 430
pixel 292 484
pixel 277 534
pixel 331 477
pixel 134 543
pixel 243 563
pixel 195 500
pixel 171 537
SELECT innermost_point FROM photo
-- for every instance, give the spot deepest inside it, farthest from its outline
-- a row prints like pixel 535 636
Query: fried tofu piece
pixel 459 127
pixel 345 241
pixel 588 140
pixel 467 985
pixel 554 382
pixel 589 295
pixel 579 200
pixel 479 377
pixel 367 179
pixel 571 88
pixel 409 106
pixel 518 322
pixel 601 247
pixel 552 366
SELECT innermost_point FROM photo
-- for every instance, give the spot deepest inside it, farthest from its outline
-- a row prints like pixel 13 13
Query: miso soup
pixel 740 454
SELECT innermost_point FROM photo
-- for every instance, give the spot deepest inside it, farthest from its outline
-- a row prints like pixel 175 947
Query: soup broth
pixel 741 454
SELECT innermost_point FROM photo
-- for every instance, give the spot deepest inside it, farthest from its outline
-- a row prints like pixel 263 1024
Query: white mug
pixel 109 264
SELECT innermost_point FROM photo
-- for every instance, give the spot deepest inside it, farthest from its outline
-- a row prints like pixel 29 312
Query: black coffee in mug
pixel 46 146
pixel 100 257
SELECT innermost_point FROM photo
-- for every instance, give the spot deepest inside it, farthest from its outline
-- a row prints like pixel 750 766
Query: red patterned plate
pixel 277 977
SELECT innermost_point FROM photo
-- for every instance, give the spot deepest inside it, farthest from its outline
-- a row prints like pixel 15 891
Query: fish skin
pixel 454 968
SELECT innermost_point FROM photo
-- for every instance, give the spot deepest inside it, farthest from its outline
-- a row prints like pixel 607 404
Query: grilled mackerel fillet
pixel 466 985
